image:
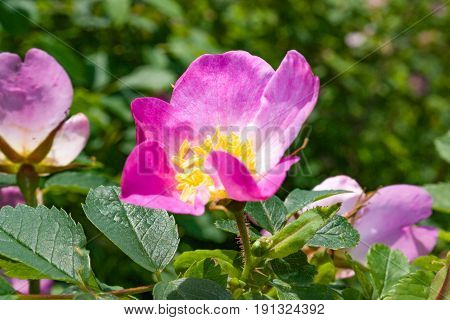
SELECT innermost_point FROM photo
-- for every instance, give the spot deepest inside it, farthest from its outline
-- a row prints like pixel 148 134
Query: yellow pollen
pixel 190 160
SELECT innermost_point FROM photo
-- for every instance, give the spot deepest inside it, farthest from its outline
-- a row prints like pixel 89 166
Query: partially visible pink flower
pixel 10 196
pixel 35 97
pixel 253 114
pixel 389 216
pixel 23 286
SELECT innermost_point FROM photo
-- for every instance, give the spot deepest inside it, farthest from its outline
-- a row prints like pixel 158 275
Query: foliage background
pixel 383 66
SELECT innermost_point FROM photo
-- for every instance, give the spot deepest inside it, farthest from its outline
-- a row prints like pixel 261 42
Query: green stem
pixel 158 276
pixel 122 292
pixel 28 181
pixel 35 286
pixel 246 245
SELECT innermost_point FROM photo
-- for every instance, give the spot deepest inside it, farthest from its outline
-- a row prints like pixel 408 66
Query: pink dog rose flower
pixel 253 114
pixel 35 97
pixel 388 216
pixel 11 196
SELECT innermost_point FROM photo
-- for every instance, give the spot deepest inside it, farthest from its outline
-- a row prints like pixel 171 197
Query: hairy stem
pixel 122 292
pixel 246 245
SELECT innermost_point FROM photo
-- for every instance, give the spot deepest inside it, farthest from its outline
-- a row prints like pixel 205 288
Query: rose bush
pixel 218 149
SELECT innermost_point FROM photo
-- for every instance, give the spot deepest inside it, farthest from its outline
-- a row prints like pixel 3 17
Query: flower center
pixel 190 160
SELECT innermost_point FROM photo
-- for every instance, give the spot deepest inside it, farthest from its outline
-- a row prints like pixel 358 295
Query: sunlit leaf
pixel 269 214
pixel 208 268
pixel 298 199
pixel 386 267
pixel 76 181
pixel 336 234
pixel 229 260
pixel 46 240
pixel 148 236
pixel 414 286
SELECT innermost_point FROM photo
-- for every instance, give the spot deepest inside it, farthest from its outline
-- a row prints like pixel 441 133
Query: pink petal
pixel 23 286
pixel 347 200
pixel 287 101
pixel 339 183
pixel 391 209
pixel 69 141
pixel 240 185
pixel 416 241
pixel 35 96
pixel 222 89
pixel 413 241
pixel 10 196
pixel 157 120
pixel 388 216
pixel 148 180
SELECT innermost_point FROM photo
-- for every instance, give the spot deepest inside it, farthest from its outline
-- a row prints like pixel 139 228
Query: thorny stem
pixel 246 245
pixel 122 292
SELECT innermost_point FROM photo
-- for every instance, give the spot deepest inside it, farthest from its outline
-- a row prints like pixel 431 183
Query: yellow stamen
pixel 190 160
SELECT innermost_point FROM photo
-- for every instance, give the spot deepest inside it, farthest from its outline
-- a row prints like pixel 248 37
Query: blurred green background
pixel 382 102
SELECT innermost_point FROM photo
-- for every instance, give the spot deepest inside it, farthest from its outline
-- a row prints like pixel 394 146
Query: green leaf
pixel 230 226
pixel 46 240
pixel 298 199
pixel 200 227
pixel 326 270
pixel 148 236
pixel 190 289
pixel 7 180
pixel 441 196
pixel 440 286
pixel 269 214
pixel 19 270
pixel 386 267
pixel 6 291
pixel 336 234
pixel 414 286
pixel 229 260
pixel 296 234
pixel 294 269
pixel 118 10
pixel 208 268
pixel 430 263
pixel 363 277
pixel 308 292
pixel 351 294
pixel 442 145
pixel 76 181
pixel 148 78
